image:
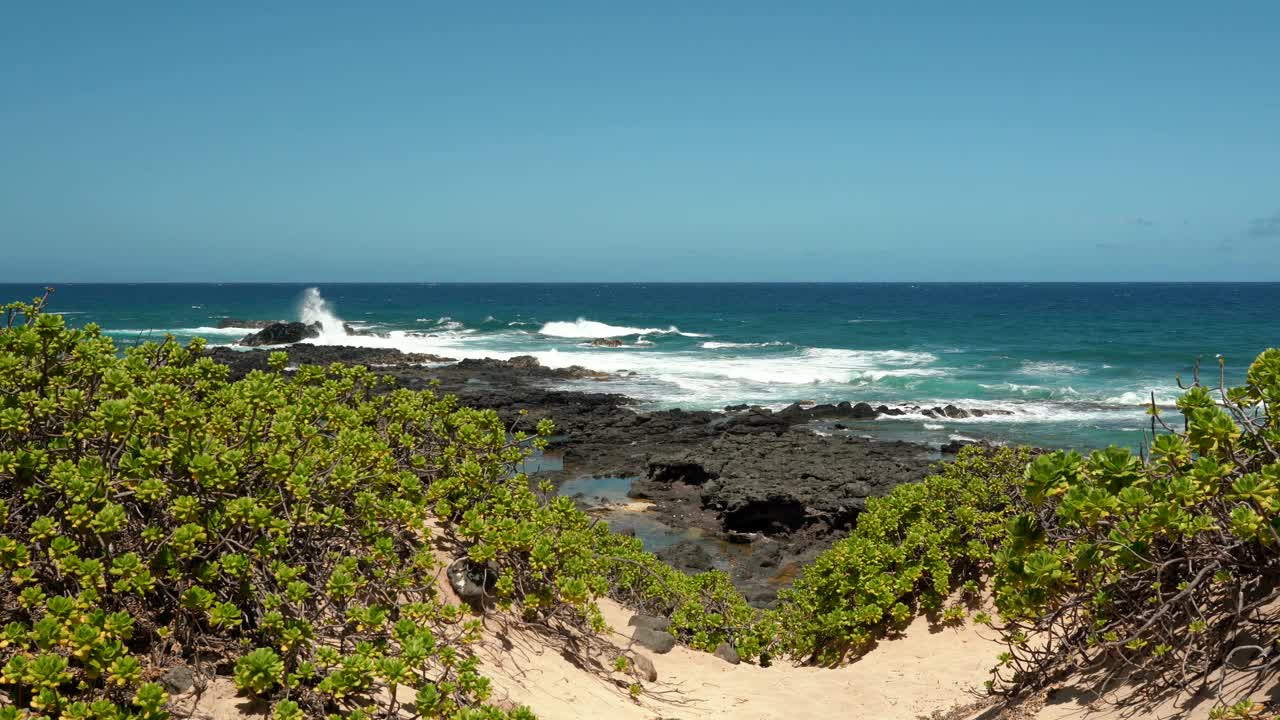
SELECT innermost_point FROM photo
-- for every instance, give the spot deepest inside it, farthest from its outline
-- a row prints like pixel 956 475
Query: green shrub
pixel 1164 565
pixel 281 525
pixel 909 552
pixel 152 509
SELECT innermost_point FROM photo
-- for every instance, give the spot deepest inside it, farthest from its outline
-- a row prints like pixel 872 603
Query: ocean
pixel 1073 363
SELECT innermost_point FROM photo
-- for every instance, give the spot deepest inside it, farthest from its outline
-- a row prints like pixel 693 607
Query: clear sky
pixel 676 140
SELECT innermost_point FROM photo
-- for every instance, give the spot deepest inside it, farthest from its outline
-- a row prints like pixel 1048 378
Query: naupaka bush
pixel 1164 566
pixel 280 529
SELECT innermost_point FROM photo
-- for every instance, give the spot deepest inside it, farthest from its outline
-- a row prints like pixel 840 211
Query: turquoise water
pixel 1073 362
pixel 600 493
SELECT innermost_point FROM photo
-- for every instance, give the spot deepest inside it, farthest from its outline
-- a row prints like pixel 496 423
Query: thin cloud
pixel 1264 227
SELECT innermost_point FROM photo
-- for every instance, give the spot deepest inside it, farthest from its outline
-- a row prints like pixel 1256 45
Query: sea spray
pixel 313 308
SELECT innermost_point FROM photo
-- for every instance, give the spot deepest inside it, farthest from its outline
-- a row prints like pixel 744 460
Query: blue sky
pixel 609 141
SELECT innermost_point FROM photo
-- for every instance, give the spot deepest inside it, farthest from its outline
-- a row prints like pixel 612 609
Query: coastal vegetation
pixel 280 527
pixel 288 529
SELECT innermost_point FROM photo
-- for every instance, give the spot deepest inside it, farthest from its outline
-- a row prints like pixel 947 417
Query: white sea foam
pixel 694 378
pixel 590 329
pixel 1008 387
pixel 1041 368
pixel 933 426
pixel 713 345
pixel 188 331
pixel 1163 398
pixel 1022 412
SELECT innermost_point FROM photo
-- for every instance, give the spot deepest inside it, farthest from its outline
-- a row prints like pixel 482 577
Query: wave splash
pixel 313 308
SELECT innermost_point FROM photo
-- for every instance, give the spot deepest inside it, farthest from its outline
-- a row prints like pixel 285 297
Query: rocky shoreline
pixel 748 490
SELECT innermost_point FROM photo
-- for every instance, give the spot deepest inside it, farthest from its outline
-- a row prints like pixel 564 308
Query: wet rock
pixel 383 359
pixel 282 334
pixel 687 556
pixel 954 412
pixel 577 372
pixel 725 652
pixel 225 323
pixel 655 640
pixel 954 446
pixel 350 330
pixel 761 420
pixel 671 470
pixel 607 342
pixel 863 411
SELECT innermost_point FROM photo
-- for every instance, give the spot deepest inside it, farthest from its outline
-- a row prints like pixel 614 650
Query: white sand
pixel 907 677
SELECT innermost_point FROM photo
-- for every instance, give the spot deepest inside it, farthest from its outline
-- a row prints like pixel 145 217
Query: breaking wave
pixel 590 329
pixel 712 345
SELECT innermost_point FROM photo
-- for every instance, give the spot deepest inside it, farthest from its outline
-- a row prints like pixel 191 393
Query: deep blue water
pixel 1072 361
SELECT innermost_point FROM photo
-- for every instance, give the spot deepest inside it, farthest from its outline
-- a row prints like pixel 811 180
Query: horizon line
pixel 56 284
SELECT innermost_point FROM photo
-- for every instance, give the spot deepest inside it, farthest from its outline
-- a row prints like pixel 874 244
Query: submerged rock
pixel 687 556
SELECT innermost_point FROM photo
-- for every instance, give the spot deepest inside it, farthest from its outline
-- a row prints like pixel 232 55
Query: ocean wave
pixel 1049 368
pixel 933 426
pixel 877 375
pixel 1142 398
pixel 1019 388
pixel 591 329
pixel 713 345
pixel 1020 412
